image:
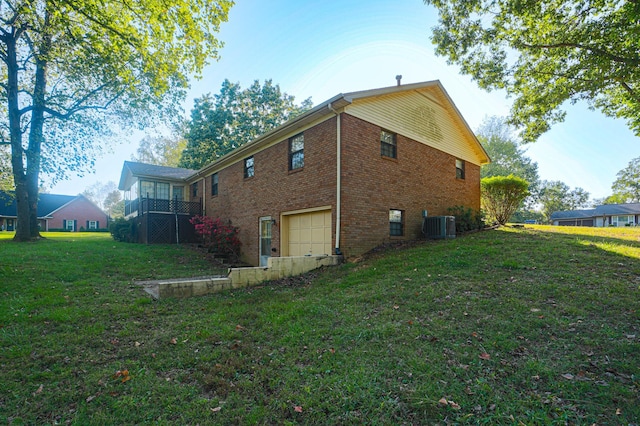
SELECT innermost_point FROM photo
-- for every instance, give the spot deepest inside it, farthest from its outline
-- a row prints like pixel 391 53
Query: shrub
pixel 121 230
pixel 501 196
pixel 217 236
pixel 466 218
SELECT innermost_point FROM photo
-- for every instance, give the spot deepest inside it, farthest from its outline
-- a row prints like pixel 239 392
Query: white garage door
pixel 310 233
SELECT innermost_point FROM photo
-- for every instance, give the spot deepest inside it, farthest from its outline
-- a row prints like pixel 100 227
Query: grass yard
pixel 530 326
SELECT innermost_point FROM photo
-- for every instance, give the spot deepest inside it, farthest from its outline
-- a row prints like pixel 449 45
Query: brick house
pixel 350 174
pixel 56 212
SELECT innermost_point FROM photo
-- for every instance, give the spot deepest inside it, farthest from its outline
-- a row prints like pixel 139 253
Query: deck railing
pixel 144 205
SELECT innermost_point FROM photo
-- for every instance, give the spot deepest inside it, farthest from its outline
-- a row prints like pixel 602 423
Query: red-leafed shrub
pixel 217 236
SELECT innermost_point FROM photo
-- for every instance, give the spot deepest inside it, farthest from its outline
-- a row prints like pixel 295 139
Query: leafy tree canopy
pixel 161 151
pixel 71 71
pixel 504 149
pixel 545 53
pixel 557 196
pixel 626 187
pixel 233 117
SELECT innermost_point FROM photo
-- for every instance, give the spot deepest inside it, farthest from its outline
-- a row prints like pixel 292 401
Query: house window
pixel 296 152
pixel 69 225
pixel 388 146
pixel 459 169
pixel 622 220
pixel 178 193
pixel 148 189
pixel 162 191
pixel 214 184
pixel 249 170
pixel 396 223
pixel 92 224
pixel 194 190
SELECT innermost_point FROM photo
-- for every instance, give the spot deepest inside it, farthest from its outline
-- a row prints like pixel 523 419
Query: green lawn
pixel 529 326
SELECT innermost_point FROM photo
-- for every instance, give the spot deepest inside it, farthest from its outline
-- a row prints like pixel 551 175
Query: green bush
pixel 122 230
pixel 501 196
pixel 466 218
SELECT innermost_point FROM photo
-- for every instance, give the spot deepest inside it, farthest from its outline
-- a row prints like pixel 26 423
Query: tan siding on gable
pixel 419 116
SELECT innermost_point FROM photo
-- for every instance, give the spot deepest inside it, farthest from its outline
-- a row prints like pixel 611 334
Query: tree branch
pixel 629 90
pixel 129 40
pixel 596 50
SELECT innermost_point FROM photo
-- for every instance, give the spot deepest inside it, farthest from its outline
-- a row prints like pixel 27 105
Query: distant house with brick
pixel 56 212
pixel 600 216
pixel 354 172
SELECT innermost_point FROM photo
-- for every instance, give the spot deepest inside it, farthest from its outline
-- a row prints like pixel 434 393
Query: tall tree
pixel 506 152
pixel 544 53
pixel 114 204
pixel 98 192
pixel 161 151
pixel 72 70
pixel 558 196
pixel 223 122
pixel 626 187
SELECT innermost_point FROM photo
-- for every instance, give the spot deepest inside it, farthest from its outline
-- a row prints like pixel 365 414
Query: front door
pixel 265 240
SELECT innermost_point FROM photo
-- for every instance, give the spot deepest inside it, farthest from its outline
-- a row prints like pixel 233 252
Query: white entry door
pixel 265 240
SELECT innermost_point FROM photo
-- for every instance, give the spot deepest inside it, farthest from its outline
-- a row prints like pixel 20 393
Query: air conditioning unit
pixel 439 227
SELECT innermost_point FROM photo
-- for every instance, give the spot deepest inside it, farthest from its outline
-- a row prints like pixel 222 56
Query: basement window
pixel 396 223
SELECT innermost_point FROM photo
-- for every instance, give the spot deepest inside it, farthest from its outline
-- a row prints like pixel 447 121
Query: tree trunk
pixel 36 134
pixel 13 106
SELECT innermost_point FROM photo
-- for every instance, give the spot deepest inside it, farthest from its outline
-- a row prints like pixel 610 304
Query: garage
pixel 307 233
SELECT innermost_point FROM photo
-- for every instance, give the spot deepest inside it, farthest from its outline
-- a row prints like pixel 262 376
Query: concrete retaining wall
pixel 277 268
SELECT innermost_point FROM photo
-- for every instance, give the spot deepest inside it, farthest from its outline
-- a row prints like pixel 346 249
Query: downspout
pixel 204 196
pixel 338 179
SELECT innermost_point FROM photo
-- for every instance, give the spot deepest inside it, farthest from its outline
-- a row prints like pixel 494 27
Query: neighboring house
pixel 348 175
pixel 56 212
pixel 604 215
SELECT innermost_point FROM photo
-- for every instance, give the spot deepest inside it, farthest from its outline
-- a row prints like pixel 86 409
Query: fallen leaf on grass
pixel 484 356
pixel 90 398
pixel 239 327
pixel 297 409
pixel 40 389
pixel 122 375
pixel 568 376
pixel 173 341
pixel 137 344
pixel 444 403
pixel 215 410
pixel 618 412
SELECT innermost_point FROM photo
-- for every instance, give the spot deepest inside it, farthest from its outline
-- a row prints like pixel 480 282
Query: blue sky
pixel 318 49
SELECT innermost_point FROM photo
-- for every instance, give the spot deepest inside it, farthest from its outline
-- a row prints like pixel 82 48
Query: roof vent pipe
pixel 398 78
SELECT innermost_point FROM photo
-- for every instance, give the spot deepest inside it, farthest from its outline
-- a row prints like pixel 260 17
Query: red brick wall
pixel 81 210
pixel 420 178
pixel 274 189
